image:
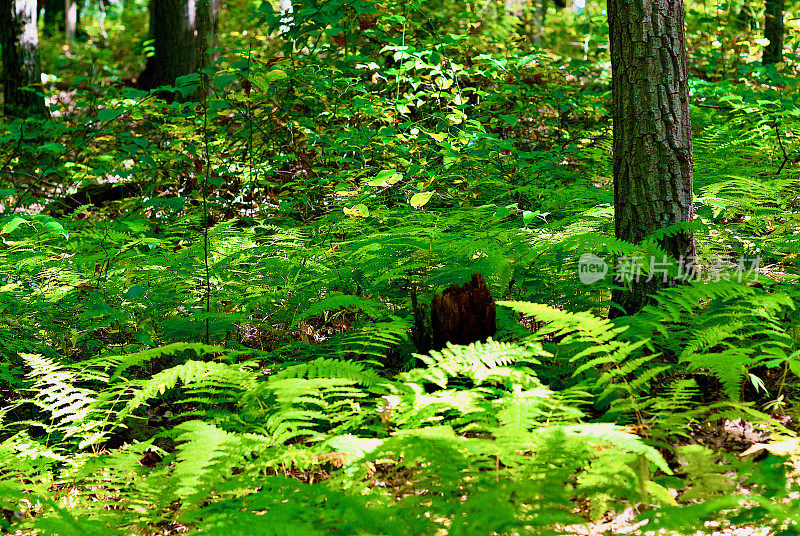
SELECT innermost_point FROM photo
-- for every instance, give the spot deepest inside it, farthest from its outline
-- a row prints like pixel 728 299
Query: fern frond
pixel 225 379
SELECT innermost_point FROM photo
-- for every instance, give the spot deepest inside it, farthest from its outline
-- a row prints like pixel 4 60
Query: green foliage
pixel 206 307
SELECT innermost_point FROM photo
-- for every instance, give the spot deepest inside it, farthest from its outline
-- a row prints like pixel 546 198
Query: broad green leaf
pixel 13 224
pixel 107 114
pixel 143 337
pixel 52 227
pixel 529 217
pixel 510 119
pixel 276 74
pixel 223 81
pixel 386 177
pixel 53 147
pixel 420 199
pixel 99 309
pixel 135 292
pixel 134 94
pixel 358 211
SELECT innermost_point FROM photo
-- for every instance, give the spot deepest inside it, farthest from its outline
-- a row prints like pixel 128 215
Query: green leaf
pixel 135 292
pixel 13 224
pixel 420 199
pixel 108 114
pixel 386 177
pixel 276 74
pixel 509 119
pixel 143 337
pixel 187 79
pixel 134 94
pixel 187 84
pixel 53 147
pixel 223 81
pixel 52 227
pixel 357 211
pixel 529 217
pixel 99 309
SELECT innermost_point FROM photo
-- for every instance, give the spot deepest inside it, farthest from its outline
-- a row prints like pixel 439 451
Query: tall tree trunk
pixel 19 39
pixel 182 30
pixel 773 31
pixel 61 16
pixel 652 132
pixel 53 16
pixel 71 19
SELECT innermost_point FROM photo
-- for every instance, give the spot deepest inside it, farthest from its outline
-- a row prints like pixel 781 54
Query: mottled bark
pixel 652 131
pixel 773 31
pixel 61 16
pixel 207 17
pixel 71 23
pixel 182 30
pixel 19 39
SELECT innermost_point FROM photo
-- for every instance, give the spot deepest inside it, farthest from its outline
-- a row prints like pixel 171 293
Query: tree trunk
pixel 71 19
pixel 652 133
pixel 53 16
pixel 61 16
pixel 773 31
pixel 182 30
pixel 19 39
pixel 463 315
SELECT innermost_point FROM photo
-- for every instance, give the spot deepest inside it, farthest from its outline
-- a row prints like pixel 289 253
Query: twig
pixel 783 149
pixel 714 106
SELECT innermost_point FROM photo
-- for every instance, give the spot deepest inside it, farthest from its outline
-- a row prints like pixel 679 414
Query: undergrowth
pixel 206 308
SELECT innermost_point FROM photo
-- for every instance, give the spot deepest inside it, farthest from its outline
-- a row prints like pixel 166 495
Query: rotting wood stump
pixel 463 315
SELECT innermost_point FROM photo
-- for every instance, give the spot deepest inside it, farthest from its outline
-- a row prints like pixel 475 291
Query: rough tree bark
pixel 463 315
pixel 773 31
pixel 19 39
pixel 182 30
pixel 652 132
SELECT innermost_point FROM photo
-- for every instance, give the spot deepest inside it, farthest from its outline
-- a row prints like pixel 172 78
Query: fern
pixel 219 380
pixel 722 327
pixel 331 368
pixel 72 412
pixel 372 308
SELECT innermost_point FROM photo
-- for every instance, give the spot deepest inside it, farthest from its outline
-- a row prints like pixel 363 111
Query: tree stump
pixel 463 315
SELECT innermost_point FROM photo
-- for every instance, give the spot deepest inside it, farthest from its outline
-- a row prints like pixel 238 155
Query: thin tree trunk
pixel 19 39
pixel 207 17
pixel 773 31
pixel 71 19
pixel 53 16
pixel 652 132
pixel 183 30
